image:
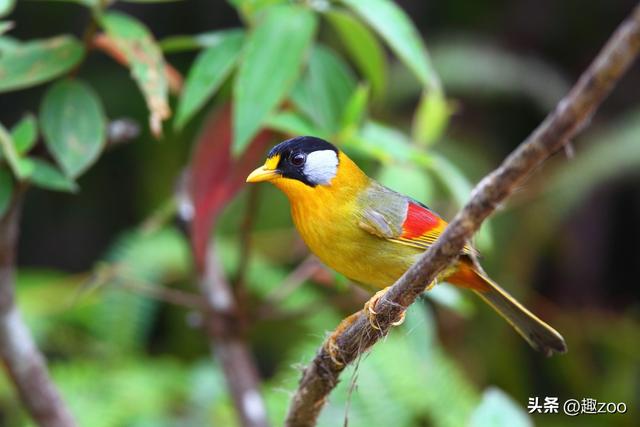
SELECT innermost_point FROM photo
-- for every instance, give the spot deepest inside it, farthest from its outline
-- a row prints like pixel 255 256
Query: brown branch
pixel 201 193
pixel 223 323
pixel 25 364
pixel 569 117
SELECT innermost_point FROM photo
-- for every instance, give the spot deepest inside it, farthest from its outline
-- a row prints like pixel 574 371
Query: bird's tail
pixel 537 333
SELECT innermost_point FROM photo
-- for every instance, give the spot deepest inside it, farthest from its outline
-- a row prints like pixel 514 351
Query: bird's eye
pixel 297 159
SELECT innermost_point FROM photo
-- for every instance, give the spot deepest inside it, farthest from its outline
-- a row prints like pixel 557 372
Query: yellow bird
pixel 372 234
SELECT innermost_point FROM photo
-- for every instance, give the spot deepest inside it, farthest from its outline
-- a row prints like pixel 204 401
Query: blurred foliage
pixel 425 118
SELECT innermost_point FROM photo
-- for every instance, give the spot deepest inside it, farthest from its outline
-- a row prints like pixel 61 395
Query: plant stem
pixel 223 325
pixel 24 363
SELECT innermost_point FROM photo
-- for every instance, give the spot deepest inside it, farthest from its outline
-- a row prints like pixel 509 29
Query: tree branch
pixel 569 117
pixel 223 323
pixel 23 361
pixel 212 179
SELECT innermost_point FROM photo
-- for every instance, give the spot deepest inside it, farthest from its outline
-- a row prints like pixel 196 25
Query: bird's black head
pixel 308 159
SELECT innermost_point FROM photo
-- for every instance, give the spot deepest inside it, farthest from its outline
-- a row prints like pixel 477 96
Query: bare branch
pixel 569 117
pixel 23 361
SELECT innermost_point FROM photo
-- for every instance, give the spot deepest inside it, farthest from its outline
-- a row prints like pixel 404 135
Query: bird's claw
pixel 371 313
pixel 400 321
pixel 334 350
pixel 331 346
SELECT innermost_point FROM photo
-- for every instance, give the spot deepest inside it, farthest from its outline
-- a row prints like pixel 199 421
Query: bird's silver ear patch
pixel 321 166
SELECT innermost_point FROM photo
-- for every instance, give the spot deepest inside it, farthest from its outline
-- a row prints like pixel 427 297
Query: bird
pixel 372 234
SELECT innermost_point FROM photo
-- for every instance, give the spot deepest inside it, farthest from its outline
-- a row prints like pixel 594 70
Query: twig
pixel 297 277
pixel 569 117
pixel 21 357
pixel 117 275
pixel 162 293
pixel 162 215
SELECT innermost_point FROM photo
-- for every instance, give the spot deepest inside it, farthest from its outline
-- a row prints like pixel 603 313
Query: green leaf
pixel 5 26
pixel 497 409
pixel 8 43
pixel 45 175
pixel 431 117
pixel 146 62
pixel 386 144
pixel 273 57
pixel 250 9
pixel 293 124
pixel 408 180
pixel 610 153
pixel 496 72
pixel 92 4
pixel 459 186
pixel 9 152
pixel 73 125
pixel 451 297
pixel 183 43
pixel 324 89
pixel 395 27
pixel 355 109
pixel 151 1
pixel 6 190
pixel 452 178
pixel 206 75
pixel 6 6
pixel 25 134
pixel 38 61
pixel 363 47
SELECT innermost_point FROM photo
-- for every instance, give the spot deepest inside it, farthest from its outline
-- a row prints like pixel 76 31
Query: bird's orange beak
pixel 266 172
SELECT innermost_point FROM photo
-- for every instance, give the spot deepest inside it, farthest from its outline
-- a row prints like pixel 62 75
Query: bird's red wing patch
pixel 421 228
pixel 420 221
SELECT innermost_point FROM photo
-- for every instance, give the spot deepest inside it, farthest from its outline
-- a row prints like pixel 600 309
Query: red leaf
pixel 214 177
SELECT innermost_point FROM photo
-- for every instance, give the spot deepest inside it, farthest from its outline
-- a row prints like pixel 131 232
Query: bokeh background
pixel 565 245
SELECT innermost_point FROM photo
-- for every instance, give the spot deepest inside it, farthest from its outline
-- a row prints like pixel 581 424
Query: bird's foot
pixel 331 345
pixel 333 350
pixel 370 310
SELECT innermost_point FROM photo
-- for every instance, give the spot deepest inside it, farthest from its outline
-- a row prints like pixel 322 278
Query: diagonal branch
pixel 569 117
pixel 22 359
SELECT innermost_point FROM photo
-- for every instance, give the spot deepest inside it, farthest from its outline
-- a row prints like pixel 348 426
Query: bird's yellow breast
pixel 327 219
